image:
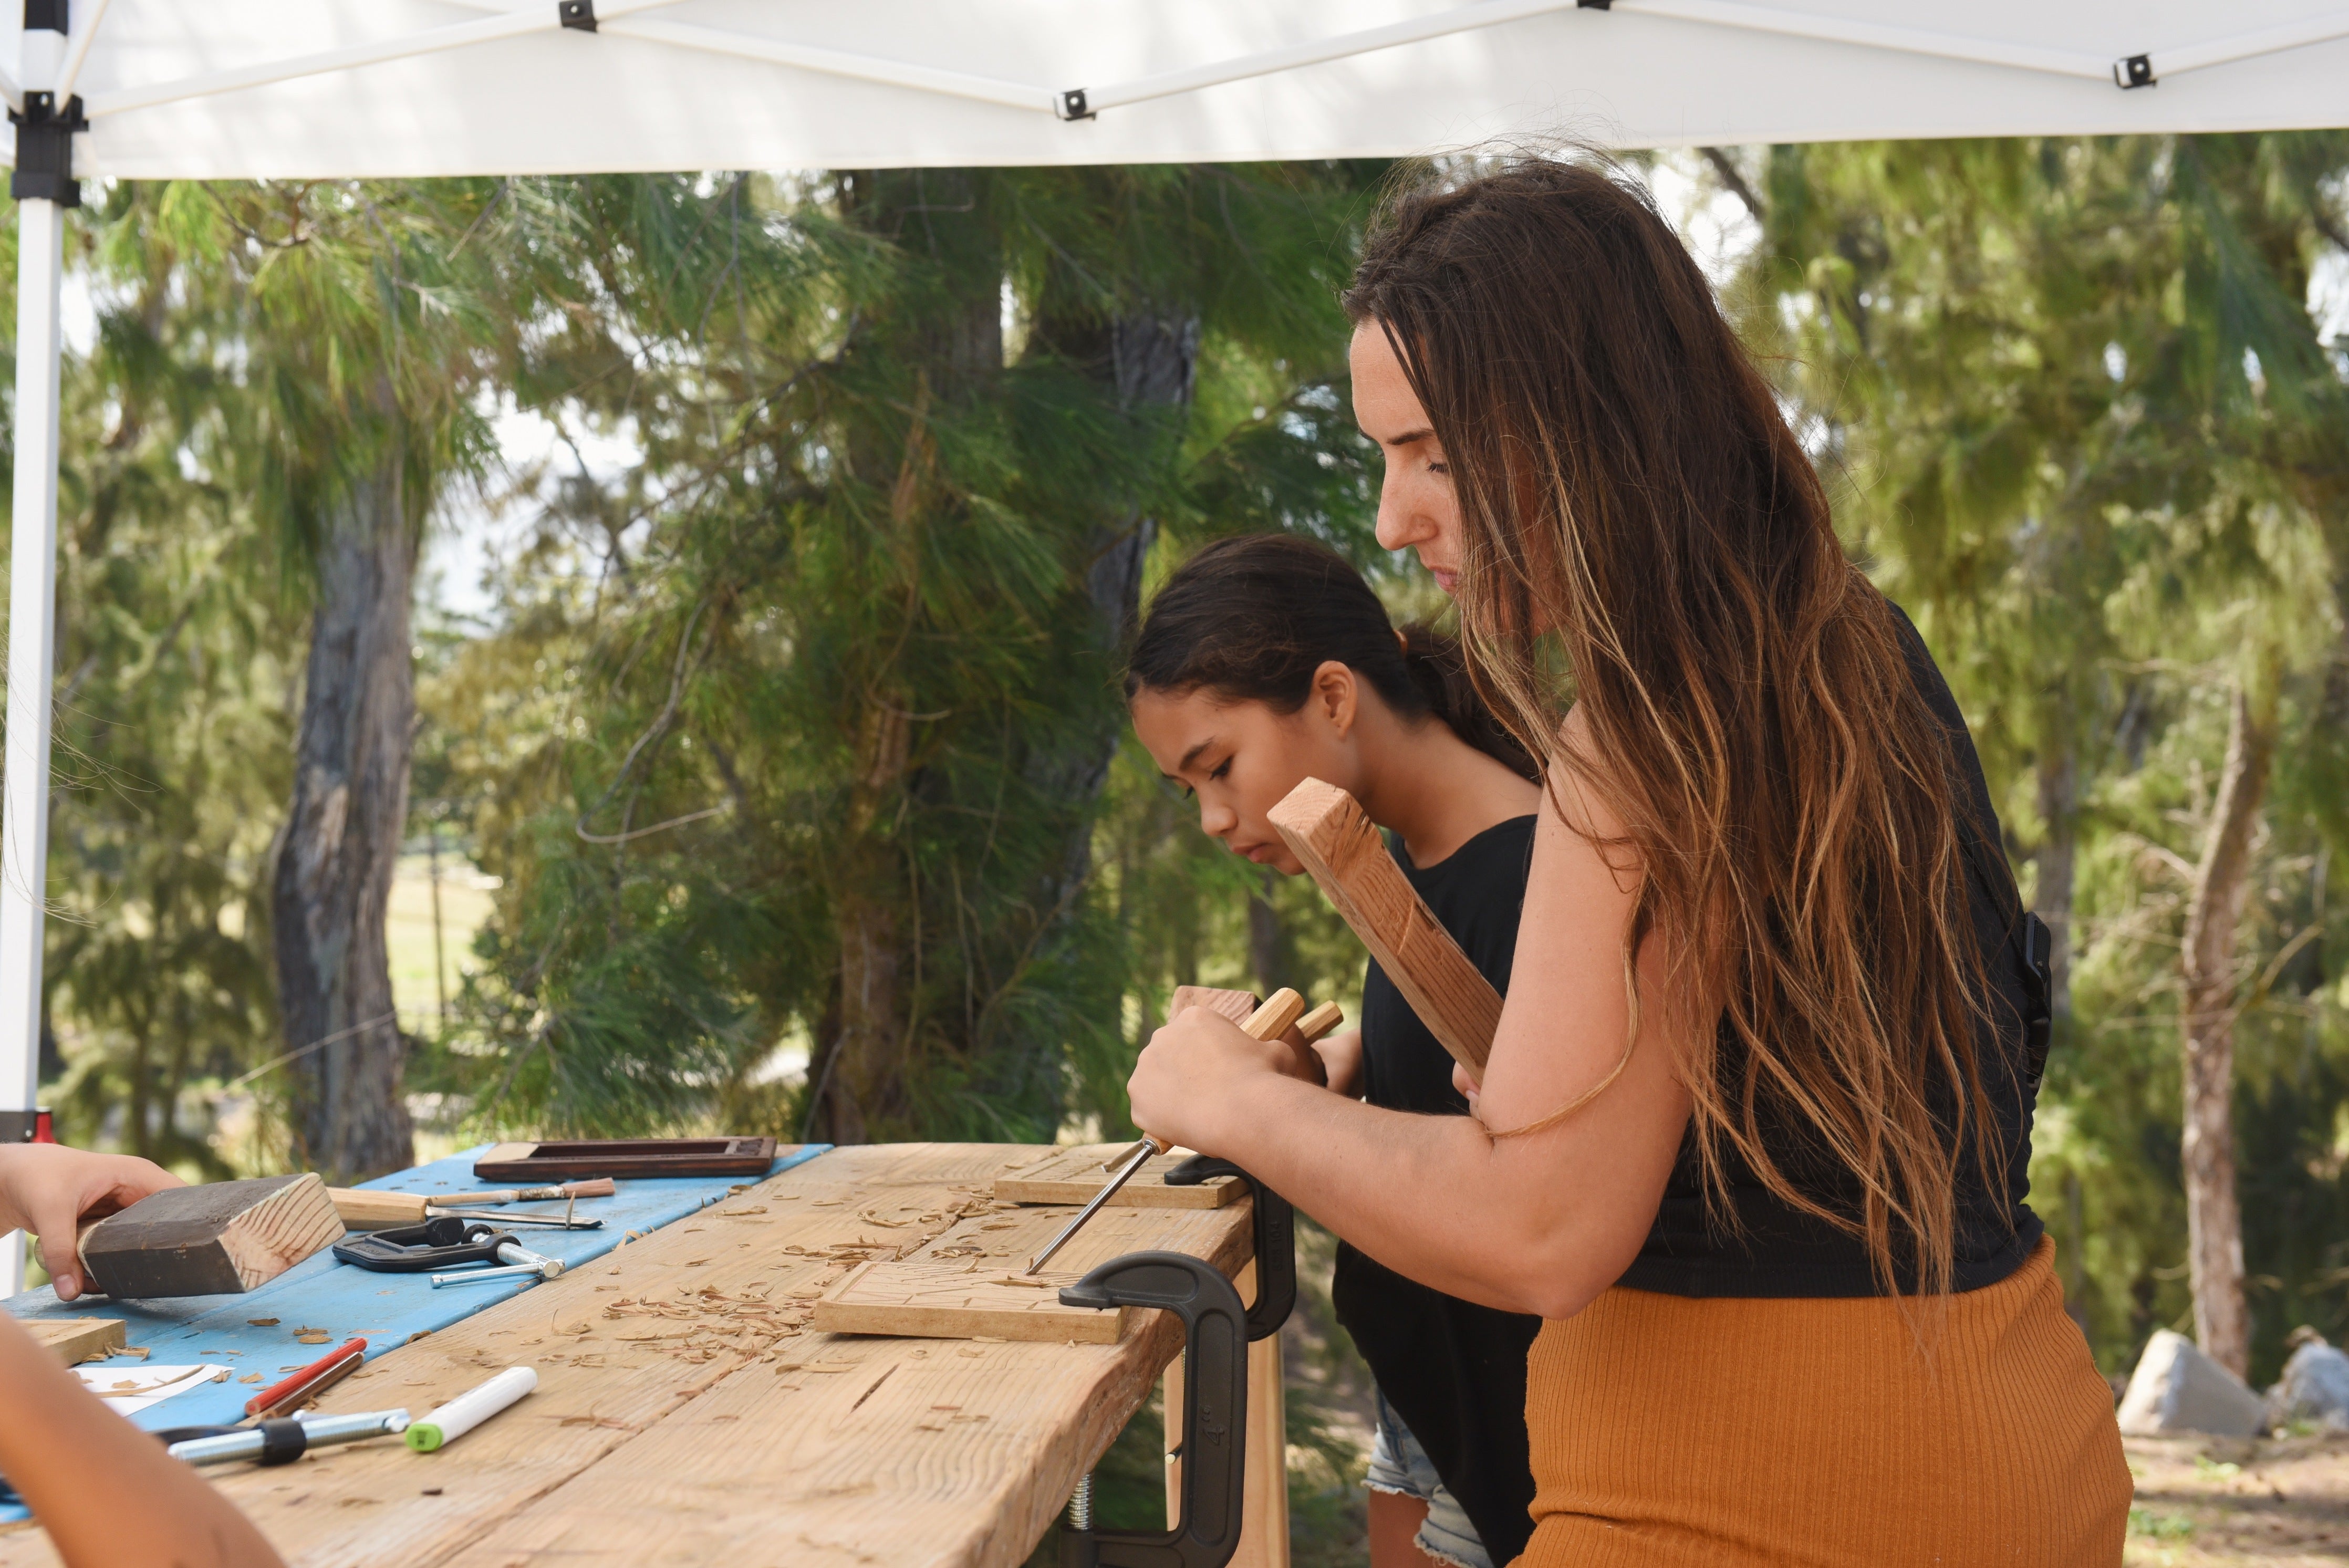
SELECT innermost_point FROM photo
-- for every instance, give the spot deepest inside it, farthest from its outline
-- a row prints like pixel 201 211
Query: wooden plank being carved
pixel 215 1239
pixel 955 1298
pixel 74 1340
pixel 1074 1175
pixel 967 1284
pixel 1324 828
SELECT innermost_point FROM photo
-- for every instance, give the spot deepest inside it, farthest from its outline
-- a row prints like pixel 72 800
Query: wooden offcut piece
pixel 1327 831
pixel 1074 1175
pixel 536 1162
pixel 1235 1006
pixel 959 1298
pixel 74 1340
pixel 215 1239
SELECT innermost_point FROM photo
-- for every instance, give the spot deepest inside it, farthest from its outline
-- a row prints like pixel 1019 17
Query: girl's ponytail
pixel 1252 618
pixel 1440 671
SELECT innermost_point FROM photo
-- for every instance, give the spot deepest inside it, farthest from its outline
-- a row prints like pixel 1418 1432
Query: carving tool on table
pixel 1310 1027
pixel 1280 1010
pixel 364 1209
pixel 329 1369
pixel 280 1440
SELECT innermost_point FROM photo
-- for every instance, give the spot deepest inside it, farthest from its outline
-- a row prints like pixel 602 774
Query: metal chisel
pixel 1280 1010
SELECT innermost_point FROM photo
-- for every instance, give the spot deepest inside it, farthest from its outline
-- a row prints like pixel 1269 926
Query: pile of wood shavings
pixel 704 1324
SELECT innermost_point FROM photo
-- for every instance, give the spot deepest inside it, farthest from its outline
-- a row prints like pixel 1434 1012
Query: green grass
pixel 2146 1524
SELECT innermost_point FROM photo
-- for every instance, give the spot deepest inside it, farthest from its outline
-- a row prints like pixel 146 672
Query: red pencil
pixel 318 1375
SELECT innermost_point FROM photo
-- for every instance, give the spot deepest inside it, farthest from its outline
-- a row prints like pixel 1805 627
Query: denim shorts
pixel 1398 1465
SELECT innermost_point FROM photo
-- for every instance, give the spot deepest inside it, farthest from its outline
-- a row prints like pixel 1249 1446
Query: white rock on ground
pixel 2315 1388
pixel 2176 1388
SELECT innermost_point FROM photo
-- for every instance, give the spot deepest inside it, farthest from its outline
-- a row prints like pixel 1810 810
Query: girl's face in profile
pixel 1418 508
pixel 1239 759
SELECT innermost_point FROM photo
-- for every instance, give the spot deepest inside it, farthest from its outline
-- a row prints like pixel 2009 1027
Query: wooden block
pixel 962 1298
pixel 1235 1006
pixel 74 1340
pixel 546 1162
pixel 1324 828
pixel 215 1239
pixel 1074 1175
pixel 363 1209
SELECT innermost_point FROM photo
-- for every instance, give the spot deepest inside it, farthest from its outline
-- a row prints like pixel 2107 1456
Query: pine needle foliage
pixel 818 744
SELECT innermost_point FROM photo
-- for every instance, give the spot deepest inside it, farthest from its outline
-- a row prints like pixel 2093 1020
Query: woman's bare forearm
pixel 1534 1227
pixel 106 1492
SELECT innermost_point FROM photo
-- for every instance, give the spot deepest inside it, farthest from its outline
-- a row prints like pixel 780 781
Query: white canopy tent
pixel 338 88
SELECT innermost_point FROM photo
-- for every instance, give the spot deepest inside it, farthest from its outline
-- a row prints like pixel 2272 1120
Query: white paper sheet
pixel 130 1388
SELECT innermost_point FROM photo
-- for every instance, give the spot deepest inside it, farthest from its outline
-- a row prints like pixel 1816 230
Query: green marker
pixel 469 1410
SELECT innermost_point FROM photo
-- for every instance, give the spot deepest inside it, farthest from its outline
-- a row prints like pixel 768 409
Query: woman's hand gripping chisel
pixel 1280 1010
pixel 1309 1028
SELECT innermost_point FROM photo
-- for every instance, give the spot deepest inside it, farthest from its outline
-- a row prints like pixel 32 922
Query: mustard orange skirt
pixel 1839 1433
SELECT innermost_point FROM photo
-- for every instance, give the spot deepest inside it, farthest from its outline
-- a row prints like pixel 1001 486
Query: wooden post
pixel 1324 828
pixel 1264 1505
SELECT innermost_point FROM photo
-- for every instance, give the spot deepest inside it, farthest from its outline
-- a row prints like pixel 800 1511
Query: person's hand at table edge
pixel 52 1190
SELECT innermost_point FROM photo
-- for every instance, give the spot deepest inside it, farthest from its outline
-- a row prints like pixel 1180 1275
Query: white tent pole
pixel 78 49
pixel 31 614
pixel 1873 34
pixel 835 62
pixel 2246 45
pixel 1493 13
pixel 458 35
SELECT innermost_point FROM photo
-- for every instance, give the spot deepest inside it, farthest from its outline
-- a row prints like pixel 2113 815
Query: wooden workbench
pixel 683 1415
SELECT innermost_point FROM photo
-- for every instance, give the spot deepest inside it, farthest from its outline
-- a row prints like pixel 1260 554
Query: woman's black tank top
pixel 1775 1250
pixel 1454 1371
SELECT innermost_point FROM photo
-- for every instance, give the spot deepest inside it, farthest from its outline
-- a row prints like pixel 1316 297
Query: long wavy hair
pixel 1636 510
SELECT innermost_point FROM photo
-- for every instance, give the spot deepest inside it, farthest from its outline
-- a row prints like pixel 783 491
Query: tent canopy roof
pixel 329 88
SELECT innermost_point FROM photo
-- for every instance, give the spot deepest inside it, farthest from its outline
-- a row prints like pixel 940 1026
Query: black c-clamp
pixel 1216 1332
pixel 1276 1242
pixel 1215 1413
pixel 439 1243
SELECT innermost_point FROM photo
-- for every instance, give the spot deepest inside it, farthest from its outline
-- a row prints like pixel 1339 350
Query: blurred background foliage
pixel 777 777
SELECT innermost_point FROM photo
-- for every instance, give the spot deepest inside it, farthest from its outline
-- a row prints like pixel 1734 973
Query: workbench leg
pixel 1264 1506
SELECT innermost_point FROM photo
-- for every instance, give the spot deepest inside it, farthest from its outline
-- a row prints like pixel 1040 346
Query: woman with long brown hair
pixel 1754 1132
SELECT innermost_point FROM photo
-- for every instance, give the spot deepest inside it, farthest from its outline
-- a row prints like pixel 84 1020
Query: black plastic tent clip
pixel 1215 1413
pixel 420 1248
pixel 1276 1242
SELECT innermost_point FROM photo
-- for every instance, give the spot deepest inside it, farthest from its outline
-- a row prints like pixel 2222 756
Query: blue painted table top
pixel 345 1301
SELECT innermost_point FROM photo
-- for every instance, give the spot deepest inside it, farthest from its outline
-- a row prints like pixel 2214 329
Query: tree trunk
pixel 341 842
pixel 861 1088
pixel 866 1082
pixel 1272 957
pixel 2059 854
pixel 2214 1220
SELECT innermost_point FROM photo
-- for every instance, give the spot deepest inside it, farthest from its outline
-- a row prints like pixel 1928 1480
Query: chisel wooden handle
pixel 1327 830
pixel 364 1209
pixel 601 1186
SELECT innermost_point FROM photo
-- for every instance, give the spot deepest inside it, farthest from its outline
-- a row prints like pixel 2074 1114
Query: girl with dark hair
pixel 1265 660
pixel 1755 1132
